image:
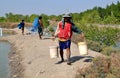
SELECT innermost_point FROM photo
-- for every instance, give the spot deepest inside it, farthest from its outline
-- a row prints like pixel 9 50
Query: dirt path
pixel 36 61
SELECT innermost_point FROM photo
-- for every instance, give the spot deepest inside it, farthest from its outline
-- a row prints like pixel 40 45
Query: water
pixel 4 61
pixel 117 46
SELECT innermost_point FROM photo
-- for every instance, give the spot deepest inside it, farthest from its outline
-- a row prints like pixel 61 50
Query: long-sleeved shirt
pixel 74 29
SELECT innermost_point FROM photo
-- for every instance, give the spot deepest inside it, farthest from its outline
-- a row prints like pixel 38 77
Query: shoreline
pixel 15 67
pixel 13 24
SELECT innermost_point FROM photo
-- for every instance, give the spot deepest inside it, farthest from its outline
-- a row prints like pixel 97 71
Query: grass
pixel 102 67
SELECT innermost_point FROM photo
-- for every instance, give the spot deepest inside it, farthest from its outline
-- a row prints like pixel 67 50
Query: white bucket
pixel 83 48
pixel 53 51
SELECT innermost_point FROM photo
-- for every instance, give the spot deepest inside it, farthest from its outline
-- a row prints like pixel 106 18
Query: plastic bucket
pixel 83 48
pixel 53 51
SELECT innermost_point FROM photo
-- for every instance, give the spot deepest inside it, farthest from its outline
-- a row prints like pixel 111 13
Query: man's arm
pixel 78 31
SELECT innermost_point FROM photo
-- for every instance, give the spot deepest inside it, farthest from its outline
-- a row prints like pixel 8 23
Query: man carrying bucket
pixel 64 34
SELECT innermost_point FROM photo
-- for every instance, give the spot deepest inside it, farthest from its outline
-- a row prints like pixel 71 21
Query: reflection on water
pixel 4 66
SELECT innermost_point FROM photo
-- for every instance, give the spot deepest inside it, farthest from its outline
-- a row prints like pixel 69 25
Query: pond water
pixel 117 46
pixel 4 61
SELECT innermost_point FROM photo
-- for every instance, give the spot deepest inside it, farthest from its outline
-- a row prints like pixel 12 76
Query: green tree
pixel 45 20
pixel 2 19
pixel 32 17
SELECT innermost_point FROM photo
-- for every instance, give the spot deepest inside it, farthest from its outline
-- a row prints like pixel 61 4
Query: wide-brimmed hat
pixel 67 15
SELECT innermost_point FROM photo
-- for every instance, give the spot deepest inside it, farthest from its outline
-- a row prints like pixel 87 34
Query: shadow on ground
pixel 77 58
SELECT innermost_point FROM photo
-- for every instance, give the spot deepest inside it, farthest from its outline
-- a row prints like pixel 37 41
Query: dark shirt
pixel 76 29
pixel 22 24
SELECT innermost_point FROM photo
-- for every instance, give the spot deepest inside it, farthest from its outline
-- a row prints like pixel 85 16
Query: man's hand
pixel 82 37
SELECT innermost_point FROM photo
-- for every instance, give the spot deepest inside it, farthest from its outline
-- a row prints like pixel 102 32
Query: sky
pixel 50 7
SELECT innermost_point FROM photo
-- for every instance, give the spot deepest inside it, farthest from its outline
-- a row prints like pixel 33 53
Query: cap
pixel 67 15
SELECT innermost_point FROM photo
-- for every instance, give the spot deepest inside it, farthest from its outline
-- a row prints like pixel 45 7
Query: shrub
pixel 103 35
pixel 95 46
pixel 102 67
pixel 51 29
pixel 109 50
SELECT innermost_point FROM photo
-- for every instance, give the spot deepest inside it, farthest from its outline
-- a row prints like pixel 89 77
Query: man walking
pixel 22 23
pixel 40 27
pixel 64 34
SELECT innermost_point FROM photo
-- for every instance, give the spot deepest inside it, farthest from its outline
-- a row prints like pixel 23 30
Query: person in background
pixel 40 27
pixel 64 33
pixel 22 26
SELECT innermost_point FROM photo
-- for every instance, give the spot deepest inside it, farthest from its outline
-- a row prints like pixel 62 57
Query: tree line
pixel 108 15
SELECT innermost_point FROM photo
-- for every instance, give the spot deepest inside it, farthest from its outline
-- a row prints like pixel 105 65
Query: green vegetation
pixel 10 17
pixel 108 15
pixel 51 29
pixel 103 35
pixel 102 67
pixel 100 39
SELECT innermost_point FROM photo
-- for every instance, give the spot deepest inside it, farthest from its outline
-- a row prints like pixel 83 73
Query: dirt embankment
pixel 12 24
pixel 30 58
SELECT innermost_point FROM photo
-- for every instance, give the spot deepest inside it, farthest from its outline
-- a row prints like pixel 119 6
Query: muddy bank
pixel 12 24
pixel 16 68
pixel 8 31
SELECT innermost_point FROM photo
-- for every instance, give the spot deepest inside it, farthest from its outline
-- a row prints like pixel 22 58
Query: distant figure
pixel 40 27
pixel 64 33
pixel 21 26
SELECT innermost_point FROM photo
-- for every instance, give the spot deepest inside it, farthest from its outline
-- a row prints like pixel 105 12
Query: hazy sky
pixel 50 7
